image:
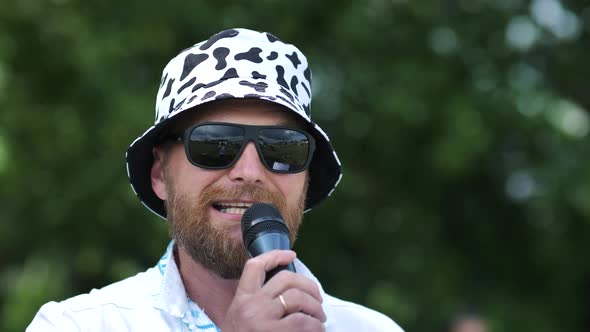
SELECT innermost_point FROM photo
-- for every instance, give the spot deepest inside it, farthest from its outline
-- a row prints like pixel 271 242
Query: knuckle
pixel 304 322
pixel 254 263
pixel 313 325
pixel 302 298
pixel 284 277
pixel 296 298
pixel 299 319
pixel 312 285
pixel 305 283
pixel 314 290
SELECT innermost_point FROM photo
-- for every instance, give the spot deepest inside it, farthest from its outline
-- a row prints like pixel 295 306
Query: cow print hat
pixel 235 63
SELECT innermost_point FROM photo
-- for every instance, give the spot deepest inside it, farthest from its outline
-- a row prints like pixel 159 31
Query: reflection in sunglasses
pixel 277 166
pixel 217 145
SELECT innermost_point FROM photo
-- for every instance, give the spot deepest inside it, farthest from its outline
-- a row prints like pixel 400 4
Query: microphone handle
pixel 266 242
pixel 271 273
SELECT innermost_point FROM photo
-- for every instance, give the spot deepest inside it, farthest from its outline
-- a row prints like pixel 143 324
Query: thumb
pixel 255 269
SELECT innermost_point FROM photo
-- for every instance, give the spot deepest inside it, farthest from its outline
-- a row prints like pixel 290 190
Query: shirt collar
pixel 172 297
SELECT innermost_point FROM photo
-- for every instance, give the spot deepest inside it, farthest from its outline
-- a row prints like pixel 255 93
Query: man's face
pixel 205 206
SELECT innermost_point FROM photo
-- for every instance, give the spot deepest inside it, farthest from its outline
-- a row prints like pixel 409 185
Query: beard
pixel 213 245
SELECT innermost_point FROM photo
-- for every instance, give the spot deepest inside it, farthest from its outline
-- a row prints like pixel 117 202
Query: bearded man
pixel 232 128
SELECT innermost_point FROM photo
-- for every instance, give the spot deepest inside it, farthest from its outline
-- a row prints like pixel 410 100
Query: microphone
pixel 263 230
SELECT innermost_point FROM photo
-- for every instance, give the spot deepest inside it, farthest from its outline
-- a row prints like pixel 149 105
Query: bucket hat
pixel 235 63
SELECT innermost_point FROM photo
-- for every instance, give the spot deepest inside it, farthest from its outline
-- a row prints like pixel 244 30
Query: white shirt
pixel 155 300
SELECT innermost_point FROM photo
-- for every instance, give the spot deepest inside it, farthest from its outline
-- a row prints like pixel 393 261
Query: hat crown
pixel 253 58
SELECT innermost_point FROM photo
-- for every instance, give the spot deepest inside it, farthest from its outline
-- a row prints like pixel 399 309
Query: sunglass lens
pixel 284 150
pixel 215 145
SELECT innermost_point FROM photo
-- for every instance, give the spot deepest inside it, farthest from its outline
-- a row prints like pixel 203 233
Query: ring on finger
pixel 283 303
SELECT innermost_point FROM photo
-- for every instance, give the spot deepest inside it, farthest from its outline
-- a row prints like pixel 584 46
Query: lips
pixel 232 207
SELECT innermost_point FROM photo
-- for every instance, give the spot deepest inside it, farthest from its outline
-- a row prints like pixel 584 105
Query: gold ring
pixel 283 302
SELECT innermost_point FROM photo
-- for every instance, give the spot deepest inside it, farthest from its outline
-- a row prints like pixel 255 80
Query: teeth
pixel 233 207
pixel 233 210
pixel 234 204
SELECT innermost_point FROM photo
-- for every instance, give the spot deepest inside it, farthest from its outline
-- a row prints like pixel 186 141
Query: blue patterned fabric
pixel 194 318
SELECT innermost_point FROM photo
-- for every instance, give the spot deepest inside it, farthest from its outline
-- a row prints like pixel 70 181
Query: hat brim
pixel 324 169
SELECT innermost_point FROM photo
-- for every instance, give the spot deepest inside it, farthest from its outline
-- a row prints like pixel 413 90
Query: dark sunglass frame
pixel 250 135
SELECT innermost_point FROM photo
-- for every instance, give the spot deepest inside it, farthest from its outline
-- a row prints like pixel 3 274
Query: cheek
pixel 192 180
pixel 187 179
pixel 292 186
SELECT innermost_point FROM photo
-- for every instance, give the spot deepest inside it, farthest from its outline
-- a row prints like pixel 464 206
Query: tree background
pixel 462 126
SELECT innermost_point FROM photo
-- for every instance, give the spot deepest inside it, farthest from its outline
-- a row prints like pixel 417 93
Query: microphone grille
pixel 271 226
pixel 257 211
pixel 259 218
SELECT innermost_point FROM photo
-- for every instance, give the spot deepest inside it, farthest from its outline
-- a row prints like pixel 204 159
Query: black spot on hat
pixel 187 84
pixel 224 96
pixel 294 59
pixel 212 84
pixel 190 62
pixel 287 93
pixel 253 95
pixel 306 88
pixel 208 95
pixel 223 34
pixel 168 88
pixel 230 73
pixel 259 86
pixel 258 75
pixel 179 105
pixel 260 96
pixel 192 98
pixel 307 109
pixel 285 100
pixel 220 54
pixel 252 55
pixel 273 55
pixel 294 82
pixel 171 107
pixel 163 80
pixel 271 38
pixel 281 76
pixel 198 86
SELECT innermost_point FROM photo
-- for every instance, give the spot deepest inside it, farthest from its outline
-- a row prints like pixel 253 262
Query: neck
pixel 210 291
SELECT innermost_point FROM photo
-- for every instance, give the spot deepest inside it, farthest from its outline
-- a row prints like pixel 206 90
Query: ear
pixel 157 173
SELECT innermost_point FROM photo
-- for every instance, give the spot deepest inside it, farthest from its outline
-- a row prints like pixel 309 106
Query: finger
pixel 301 322
pixel 298 301
pixel 286 279
pixel 255 269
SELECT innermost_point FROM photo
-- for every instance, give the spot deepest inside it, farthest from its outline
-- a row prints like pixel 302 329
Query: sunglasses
pixel 218 145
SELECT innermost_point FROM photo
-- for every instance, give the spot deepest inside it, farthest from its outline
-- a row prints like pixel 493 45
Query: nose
pixel 248 168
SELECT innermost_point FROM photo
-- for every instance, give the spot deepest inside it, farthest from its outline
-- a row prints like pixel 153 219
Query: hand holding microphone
pixel 264 301
pixel 263 230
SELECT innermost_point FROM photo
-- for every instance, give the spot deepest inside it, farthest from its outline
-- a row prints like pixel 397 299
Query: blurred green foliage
pixel 462 126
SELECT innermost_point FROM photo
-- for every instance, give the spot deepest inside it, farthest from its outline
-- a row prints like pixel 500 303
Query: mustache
pixel 243 192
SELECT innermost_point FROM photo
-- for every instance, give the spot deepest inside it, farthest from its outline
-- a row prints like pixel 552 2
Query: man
pixel 232 128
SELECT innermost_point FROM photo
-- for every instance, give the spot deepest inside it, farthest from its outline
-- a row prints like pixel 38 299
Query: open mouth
pixel 232 207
